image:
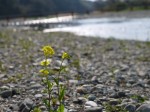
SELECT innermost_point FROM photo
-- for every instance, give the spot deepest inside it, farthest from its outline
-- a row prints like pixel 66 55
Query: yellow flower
pixel 45 62
pixel 65 55
pixel 48 51
pixel 44 71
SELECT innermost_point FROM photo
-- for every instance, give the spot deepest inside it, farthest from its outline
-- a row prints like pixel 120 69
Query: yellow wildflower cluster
pixel 65 55
pixel 48 51
pixel 45 62
pixel 44 72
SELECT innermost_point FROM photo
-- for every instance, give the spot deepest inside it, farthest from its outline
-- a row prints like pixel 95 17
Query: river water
pixel 120 28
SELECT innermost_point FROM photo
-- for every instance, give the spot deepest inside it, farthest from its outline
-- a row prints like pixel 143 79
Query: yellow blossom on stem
pixel 44 72
pixel 45 62
pixel 65 55
pixel 48 50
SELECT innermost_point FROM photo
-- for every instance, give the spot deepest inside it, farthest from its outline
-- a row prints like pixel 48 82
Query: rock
pixel 36 86
pixel 94 109
pixel 26 105
pixel 73 81
pixel 2 76
pixel 118 95
pixel 130 108
pixel 95 79
pixel 140 84
pixel 114 102
pixel 91 104
pixel 14 107
pixel 58 63
pixel 8 93
pixel 38 95
pixel 91 97
pixel 4 88
pixel 80 100
pixel 81 90
pixel 26 109
pixel 144 108
pixel 72 110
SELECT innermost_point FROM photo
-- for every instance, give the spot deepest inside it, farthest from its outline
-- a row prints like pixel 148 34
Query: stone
pixel 130 108
pixel 72 110
pixel 118 95
pixel 91 104
pixel 95 79
pixel 26 105
pixel 8 93
pixel 91 97
pixel 94 109
pixel 79 101
pixel 38 95
pixel 14 107
pixel 81 90
pixel 36 86
pixel 144 108
pixel 4 88
pixel 114 102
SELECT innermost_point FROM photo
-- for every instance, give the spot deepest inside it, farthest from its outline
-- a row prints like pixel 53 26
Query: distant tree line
pixel 31 8
pixel 118 5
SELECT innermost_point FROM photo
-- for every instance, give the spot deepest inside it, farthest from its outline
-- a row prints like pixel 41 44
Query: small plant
pixel 139 98
pixel 53 87
pixel 114 108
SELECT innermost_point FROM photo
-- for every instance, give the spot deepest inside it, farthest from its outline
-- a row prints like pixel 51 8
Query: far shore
pixel 128 14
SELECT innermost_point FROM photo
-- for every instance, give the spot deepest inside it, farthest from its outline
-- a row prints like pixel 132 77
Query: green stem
pixel 48 88
pixel 58 89
pixel 49 95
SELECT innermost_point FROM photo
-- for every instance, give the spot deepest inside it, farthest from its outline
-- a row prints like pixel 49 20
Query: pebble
pixel 8 93
pixel 36 86
pixel 81 90
pixel 144 108
pixel 130 108
pixel 94 109
pixel 38 95
pixel 91 104
pixel 26 105
pixel 91 97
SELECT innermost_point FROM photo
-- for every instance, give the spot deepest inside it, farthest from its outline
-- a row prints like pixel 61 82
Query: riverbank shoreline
pixel 126 14
pixel 105 71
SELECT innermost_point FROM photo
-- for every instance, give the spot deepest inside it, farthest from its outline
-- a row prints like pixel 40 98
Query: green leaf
pixel 46 102
pixel 50 85
pixel 37 109
pixel 62 93
pixel 56 81
pixel 61 108
pixel 63 69
pixel 45 91
pixel 53 71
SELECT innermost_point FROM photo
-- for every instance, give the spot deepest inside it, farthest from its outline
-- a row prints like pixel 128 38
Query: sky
pixel 91 0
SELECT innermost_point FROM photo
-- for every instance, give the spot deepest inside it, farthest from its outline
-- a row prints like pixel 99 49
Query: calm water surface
pixel 120 28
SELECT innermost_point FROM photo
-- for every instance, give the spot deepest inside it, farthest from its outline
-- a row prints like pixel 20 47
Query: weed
pixel 54 103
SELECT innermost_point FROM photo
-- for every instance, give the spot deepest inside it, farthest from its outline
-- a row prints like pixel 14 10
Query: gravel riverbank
pixel 104 74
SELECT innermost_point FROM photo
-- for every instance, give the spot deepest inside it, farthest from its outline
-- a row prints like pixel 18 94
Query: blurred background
pixel 104 18
pixel 31 8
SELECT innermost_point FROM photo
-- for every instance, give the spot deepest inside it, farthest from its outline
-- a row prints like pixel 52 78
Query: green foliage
pixel 148 43
pixel 119 5
pixel 54 103
pixel 37 109
pixel 61 108
pixel 143 58
pixel 139 98
pixel 114 108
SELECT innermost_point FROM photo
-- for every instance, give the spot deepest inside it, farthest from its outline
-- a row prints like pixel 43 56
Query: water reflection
pixel 121 28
